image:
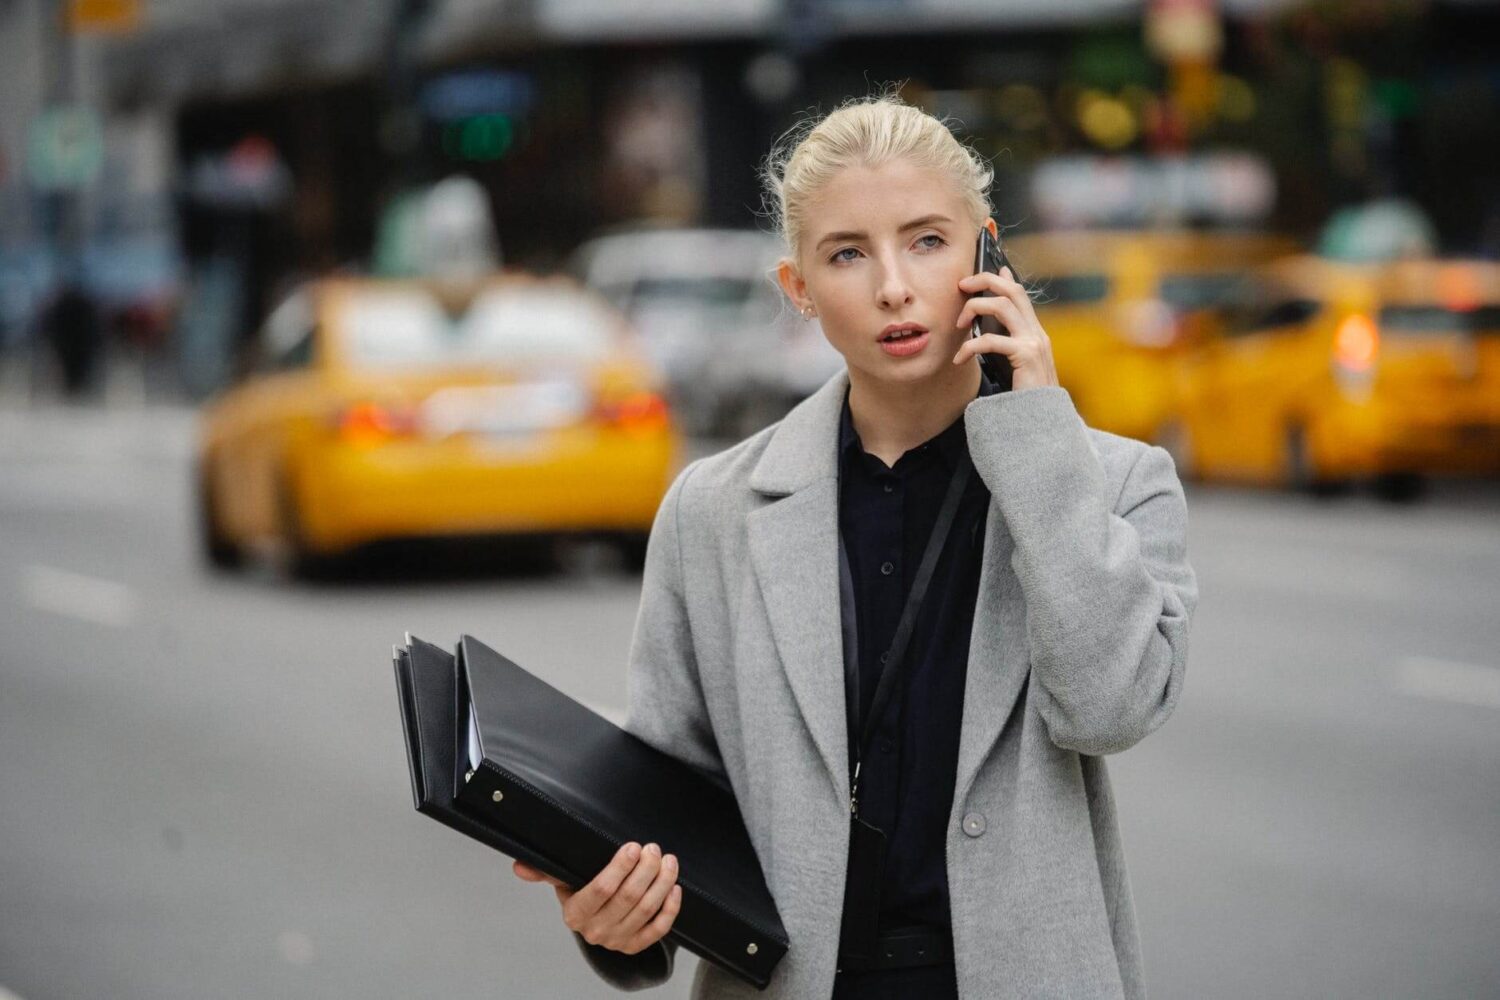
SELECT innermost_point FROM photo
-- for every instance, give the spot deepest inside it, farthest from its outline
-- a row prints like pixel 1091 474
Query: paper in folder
pixel 509 760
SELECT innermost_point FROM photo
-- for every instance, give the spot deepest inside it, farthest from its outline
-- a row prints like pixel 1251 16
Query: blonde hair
pixel 866 132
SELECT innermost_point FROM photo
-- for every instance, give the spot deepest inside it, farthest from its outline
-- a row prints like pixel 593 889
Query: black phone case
pixel 990 258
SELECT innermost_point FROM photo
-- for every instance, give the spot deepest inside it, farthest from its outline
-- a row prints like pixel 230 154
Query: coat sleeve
pixel 1103 570
pixel 666 708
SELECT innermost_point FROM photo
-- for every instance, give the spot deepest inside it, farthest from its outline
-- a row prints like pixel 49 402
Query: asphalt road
pixel 203 791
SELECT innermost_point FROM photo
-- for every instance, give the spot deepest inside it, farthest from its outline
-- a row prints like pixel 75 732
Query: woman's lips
pixel 905 347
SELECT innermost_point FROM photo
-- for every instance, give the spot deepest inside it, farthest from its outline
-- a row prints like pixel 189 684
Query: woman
pixel 983 856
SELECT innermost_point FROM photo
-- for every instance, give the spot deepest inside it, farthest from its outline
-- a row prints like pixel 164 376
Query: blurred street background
pixel 329 320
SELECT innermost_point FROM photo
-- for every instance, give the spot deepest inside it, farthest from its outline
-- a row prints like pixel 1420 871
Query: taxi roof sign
pixel 102 16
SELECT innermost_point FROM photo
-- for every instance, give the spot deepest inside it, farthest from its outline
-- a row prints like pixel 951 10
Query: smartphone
pixel 988 256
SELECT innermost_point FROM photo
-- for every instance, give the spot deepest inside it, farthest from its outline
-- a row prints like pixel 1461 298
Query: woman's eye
pixel 930 242
pixel 838 256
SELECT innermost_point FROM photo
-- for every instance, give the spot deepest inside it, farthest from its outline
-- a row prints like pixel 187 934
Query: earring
pixel 808 312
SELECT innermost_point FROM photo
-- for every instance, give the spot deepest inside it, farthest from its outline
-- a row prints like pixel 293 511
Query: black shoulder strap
pixel 895 662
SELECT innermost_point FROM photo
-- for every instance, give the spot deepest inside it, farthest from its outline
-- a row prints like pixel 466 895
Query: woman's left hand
pixel 1028 348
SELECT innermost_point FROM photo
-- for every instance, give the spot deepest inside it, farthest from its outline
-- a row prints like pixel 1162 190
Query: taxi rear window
pixel 1189 292
pixel 1071 289
pixel 1439 319
pixel 409 327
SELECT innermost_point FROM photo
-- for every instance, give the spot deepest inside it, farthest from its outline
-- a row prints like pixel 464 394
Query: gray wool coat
pixel 1079 645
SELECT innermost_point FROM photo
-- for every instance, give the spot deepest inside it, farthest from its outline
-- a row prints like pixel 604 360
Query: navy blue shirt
pixel 906 780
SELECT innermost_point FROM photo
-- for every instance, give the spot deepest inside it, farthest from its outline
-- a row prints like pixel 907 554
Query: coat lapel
pixel 796 563
pixel 998 659
pixel 794 551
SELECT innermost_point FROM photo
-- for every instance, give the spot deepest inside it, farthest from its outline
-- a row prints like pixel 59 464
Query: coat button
pixel 887 568
pixel 974 824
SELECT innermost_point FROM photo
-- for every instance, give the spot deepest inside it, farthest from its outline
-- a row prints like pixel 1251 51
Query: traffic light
pixel 479 138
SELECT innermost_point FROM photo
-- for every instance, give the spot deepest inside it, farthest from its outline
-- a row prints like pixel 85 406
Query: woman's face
pixel 885 247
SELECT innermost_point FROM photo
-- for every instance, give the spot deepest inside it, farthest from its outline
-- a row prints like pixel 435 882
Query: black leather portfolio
pixel 514 763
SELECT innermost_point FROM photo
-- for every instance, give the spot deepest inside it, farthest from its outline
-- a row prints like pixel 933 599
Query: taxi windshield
pixel 401 327
pixel 698 291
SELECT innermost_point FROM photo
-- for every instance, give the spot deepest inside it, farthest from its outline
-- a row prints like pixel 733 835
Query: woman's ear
pixel 790 280
pixel 992 226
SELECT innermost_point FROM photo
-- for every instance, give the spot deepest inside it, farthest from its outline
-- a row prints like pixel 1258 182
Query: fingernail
pixel 653 849
pixel 670 861
pixel 632 851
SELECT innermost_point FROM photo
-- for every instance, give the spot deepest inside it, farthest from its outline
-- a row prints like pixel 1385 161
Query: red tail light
pixel 639 412
pixel 1356 344
pixel 367 423
pixel 1458 289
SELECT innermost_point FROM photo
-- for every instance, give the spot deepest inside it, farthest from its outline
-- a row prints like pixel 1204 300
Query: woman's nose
pixel 894 290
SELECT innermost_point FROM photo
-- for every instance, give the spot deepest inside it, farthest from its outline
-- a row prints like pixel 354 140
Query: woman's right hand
pixel 628 907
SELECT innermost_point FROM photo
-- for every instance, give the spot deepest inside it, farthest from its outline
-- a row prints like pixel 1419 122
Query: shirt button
pixel 886 746
pixel 889 487
pixel 885 656
pixel 887 568
pixel 974 824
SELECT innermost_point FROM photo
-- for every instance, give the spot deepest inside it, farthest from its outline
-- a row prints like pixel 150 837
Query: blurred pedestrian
pixel 72 327
pixel 906 623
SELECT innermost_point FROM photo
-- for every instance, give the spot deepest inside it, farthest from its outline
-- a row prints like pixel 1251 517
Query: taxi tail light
pixel 638 411
pixel 1356 345
pixel 374 423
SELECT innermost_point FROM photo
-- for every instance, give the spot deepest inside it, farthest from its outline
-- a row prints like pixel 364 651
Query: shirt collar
pixel 951 443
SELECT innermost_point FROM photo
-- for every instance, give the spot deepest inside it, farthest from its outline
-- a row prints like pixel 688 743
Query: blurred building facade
pixel 262 139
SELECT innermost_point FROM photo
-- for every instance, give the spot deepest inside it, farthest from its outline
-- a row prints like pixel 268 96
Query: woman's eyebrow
pixel 853 234
pixel 926 220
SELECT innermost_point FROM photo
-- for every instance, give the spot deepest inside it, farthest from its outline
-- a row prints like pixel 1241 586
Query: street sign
pixel 65 148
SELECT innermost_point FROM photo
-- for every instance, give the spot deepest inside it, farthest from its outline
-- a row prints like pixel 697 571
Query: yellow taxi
pixel 1116 305
pixel 406 409
pixel 1323 373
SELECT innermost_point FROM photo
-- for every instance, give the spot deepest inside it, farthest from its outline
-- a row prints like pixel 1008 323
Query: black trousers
pixel 925 982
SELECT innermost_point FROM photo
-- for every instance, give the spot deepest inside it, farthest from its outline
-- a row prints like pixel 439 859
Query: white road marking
pixel 1449 680
pixel 74 595
pixel 75 486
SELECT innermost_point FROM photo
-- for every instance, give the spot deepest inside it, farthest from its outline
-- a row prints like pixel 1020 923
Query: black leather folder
pixel 507 759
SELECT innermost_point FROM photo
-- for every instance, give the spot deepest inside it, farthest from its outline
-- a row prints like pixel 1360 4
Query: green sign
pixel 65 148
pixel 479 139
